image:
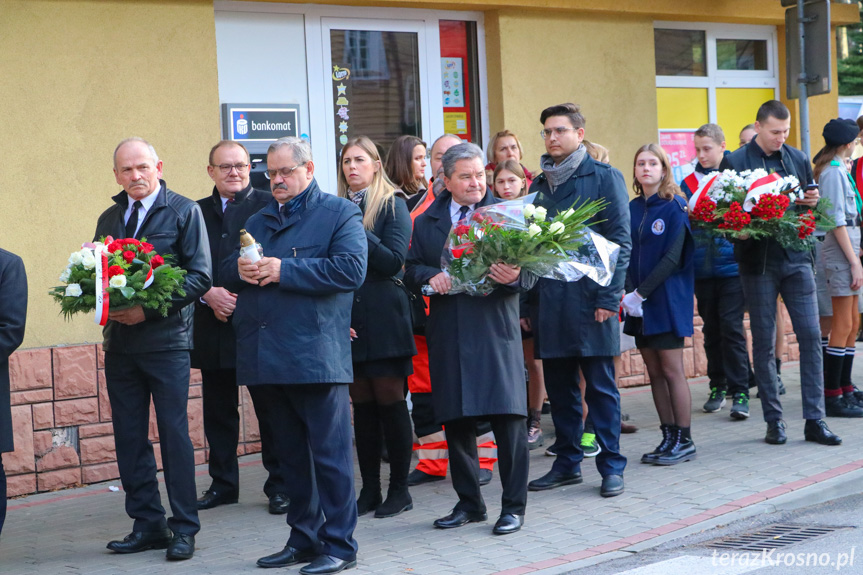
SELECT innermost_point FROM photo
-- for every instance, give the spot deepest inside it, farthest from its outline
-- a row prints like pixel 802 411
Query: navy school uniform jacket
pixel 655 225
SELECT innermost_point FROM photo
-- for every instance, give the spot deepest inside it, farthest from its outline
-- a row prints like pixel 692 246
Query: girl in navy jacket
pixel 659 299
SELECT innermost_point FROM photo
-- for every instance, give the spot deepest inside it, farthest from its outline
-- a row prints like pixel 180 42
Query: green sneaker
pixel 715 402
pixel 740 406
pixel 590 445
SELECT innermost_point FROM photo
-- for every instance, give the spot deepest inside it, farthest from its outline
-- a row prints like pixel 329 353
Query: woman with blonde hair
pixel 381 331
pixel 503 146
pixel 660 285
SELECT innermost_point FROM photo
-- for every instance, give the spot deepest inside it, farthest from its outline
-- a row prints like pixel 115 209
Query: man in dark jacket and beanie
pixel 13 315
pixel 767 270
pixel 474 344
pixel 225 212
pixel 575 323
pixel 147 356
pixel 292 322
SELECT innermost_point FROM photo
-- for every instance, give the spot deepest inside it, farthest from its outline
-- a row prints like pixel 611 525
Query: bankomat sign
pixel 260 123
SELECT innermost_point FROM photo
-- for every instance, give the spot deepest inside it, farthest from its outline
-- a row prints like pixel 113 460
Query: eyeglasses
pixel 284 172
pixel 226 168
pixel 559 131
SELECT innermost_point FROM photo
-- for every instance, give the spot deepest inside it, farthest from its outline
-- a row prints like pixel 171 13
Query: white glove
pixel 632 304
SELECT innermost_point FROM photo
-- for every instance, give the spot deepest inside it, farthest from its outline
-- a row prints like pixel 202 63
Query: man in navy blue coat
pixel 292 322
pixel 575 323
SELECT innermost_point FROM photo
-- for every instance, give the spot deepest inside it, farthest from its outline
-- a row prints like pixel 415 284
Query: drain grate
pixel 773 537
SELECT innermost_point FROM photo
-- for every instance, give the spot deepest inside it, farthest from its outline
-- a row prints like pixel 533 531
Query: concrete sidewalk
pixel 66 531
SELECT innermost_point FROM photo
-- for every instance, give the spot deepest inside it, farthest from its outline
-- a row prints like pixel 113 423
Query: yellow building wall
pixel 737 107
pixel 612 79
pixel 682 108
pixel 77 78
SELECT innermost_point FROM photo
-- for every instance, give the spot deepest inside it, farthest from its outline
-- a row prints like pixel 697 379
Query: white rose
pixel 88 260
pixel 556 227
pixel 534 230
pixel 539 214
pixel 117 281
pixel 73 290
pixel 64 277
pixel 529 209
pixel 75 258
pixel 568 214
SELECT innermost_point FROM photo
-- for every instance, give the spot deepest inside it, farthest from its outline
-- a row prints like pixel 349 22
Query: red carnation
pixel 146 248
pixel 128 256
pixel 461 230
pixel 132 241
pixel 115 246
pixel 115 271
pixel 157 261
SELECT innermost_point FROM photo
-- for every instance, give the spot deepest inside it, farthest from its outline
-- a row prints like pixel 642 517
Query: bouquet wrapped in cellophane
pixel 758 205
pixel 117 274
pixel 518 233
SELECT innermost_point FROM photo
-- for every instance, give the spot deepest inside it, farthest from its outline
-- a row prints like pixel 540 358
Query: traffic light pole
pixel 802 80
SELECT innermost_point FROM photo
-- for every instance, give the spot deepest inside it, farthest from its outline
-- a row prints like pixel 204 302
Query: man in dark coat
pixel 13 314
pixel 292 322
pixel 147 356
pixel 474 344
pixel 767 270
pixel 225 212
pixel 575 323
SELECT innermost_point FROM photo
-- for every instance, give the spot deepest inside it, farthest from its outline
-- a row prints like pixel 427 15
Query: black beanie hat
pixel 839 132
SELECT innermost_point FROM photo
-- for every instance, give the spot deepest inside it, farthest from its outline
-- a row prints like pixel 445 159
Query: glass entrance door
pixel 376 83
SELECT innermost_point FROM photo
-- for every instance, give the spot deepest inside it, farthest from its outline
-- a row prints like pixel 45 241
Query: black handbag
pixel 416 304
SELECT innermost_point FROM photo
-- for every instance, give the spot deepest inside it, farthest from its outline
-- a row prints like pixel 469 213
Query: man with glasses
pixel 147 356
pixel 575 323
pixel 292 319
pixel 225 211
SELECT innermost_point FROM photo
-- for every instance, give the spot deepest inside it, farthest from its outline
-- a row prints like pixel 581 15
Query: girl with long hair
pixel 659 300
pixel 381 331
pixel 406 165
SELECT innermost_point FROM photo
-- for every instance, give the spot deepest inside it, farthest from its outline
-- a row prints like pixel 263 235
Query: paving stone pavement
pixel 66 531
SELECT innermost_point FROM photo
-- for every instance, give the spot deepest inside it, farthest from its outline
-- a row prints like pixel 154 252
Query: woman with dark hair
pixel 839 256
pixel 383 343
pixel 659 300
pixel 406 165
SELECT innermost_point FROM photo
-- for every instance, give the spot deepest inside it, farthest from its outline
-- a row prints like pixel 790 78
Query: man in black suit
pixel 225 212
pixel 147 356
pixel 13 313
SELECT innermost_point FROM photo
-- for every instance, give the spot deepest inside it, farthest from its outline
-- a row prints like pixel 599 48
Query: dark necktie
pixel 229 202
pixel 462 212
pixel 283 213
pixel 132 224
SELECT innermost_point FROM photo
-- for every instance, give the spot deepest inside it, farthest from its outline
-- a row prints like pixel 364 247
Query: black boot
pixel 667 434
pixel 367 431
pixel 835 405
pixel 399 440
pixel 682 448
pixel 849 392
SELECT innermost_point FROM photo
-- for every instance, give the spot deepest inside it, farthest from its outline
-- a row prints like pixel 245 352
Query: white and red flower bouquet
pixel 117 274
pixel 755 204
pixel 518 233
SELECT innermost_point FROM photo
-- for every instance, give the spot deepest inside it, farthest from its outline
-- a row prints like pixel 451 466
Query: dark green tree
pixel 851 68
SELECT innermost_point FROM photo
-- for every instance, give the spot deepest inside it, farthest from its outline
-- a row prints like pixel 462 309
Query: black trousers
pixel 313 425
pixel 513 461
pixel 132 381
pixel 222 428
pixel 721 306
pixel 2 495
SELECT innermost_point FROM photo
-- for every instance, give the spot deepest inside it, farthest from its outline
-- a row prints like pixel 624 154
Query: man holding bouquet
pixel 147 356
pixel 474 346
pixel 767 269
pixel 575 324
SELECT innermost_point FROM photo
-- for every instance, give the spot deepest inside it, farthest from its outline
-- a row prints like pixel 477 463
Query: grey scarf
pixel 556 175
pixel 357 197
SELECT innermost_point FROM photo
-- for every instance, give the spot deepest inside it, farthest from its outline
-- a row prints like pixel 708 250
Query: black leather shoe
pixel 776 432
pixel 612 485
pixel 417 477
pixel 816 430
pixel 554 479
pixel 181 547
pixel 508 523
pixel 458 518
pixel 484 476
pixel 285 557
pixel 138 541
pixel 278 504
pixel 214 498
pixel 323 564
